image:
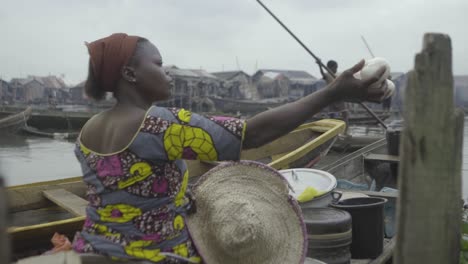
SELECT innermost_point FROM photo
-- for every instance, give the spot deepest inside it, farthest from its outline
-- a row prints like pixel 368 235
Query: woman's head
pixel 126 65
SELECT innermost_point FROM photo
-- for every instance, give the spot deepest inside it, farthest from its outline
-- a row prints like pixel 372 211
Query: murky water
pixel 25 159
pixel 32 159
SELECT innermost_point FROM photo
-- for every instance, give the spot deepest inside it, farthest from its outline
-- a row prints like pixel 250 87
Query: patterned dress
pixel 137 196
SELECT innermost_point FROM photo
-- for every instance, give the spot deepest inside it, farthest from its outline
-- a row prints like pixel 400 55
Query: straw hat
pixel 245 215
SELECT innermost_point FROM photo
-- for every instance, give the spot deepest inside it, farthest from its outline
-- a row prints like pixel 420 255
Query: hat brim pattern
pixel 247 197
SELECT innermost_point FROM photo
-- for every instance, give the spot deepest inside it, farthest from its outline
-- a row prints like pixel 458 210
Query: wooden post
pixel 4 238
pixel 429 208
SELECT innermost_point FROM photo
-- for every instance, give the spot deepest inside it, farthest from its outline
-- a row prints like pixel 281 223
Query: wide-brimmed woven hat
pixel 245 215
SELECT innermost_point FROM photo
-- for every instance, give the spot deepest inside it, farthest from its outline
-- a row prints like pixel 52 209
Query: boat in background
pixel 55 134
pixel 13 123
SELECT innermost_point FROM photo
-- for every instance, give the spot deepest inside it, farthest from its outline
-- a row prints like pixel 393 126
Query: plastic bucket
pixel 393 138
pixel 367 215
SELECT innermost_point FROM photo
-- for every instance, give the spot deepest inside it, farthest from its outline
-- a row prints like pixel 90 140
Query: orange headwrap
pixel 108 56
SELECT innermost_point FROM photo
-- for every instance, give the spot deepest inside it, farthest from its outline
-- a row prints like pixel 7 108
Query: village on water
pixel 140 161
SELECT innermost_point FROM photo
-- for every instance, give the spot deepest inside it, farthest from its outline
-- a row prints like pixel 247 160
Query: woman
pixel 131 155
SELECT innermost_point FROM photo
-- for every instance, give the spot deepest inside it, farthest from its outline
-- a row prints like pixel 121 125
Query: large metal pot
pixel 322 201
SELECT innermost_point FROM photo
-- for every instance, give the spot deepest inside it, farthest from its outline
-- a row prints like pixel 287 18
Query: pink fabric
pixel 61 243
pixel 109 166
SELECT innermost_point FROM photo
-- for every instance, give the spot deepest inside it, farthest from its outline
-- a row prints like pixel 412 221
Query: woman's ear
pixel 128 73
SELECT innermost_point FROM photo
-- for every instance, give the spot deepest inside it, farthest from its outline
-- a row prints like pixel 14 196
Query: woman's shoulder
pixel 170 114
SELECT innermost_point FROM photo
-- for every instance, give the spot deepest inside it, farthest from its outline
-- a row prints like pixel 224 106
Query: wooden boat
pixel 55 135
pixel 35 218
pixel 357 119
pixel 31 202
pixel 15 122
pixel 39 210
pixel 57 119
pixel 367 119
pixel 352 166
pixel 245 106
pixel 372 162
pixel 351 143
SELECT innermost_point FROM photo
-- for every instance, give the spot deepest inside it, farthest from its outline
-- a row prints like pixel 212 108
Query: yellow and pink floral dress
pixel 137 196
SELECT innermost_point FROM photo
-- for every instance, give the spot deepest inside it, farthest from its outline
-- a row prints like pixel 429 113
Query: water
pixel 31 159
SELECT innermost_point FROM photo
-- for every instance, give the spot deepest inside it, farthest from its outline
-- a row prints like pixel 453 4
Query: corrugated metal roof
pixel 47 81
pixel 227 75
pixel 174 71
pixel 271 75
pixel 205 74
pixel 293 75
pixel 20 81
pixel 52 82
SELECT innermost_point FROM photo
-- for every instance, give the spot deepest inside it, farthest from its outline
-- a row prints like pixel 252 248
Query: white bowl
pixel 301 178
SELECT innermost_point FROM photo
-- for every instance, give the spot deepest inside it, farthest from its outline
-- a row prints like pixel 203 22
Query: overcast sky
pixel 46 36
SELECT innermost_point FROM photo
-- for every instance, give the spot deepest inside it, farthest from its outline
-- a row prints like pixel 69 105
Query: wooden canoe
pixel 358 119
pixel 34 218
pixel 351 166
pixel 366 164
pixel 15 122
pixel 285 152
pixel 39 209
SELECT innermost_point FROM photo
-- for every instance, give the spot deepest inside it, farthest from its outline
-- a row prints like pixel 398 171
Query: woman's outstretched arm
pixel 274 123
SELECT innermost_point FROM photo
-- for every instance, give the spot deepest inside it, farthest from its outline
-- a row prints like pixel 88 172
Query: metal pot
pixel 322 201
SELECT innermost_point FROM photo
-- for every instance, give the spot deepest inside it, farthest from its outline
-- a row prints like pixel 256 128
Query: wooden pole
pixel 429 207
pixel 4 238
pixel 319 62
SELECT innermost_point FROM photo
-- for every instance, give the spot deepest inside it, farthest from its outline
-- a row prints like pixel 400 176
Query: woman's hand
pixel 347 88
pixel 270 125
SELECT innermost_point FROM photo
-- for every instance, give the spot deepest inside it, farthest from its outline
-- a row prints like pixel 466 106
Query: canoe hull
pixel 297 149
pixel 13 123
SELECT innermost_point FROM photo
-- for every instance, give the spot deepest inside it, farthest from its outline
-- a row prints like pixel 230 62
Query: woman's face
pixel 151 78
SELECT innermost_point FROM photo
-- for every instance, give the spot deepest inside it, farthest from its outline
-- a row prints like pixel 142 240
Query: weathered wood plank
pixel 68 201
pixel 29 196
pixel 35 236
pixel 374 194
pixel 386 254
pixel 360 261
pixel 4 237
pixel 69 257
pixel 429 207
pixel 381 157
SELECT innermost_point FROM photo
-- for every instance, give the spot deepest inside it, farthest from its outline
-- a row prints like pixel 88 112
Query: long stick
pixel 367 45
pixel 317 59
